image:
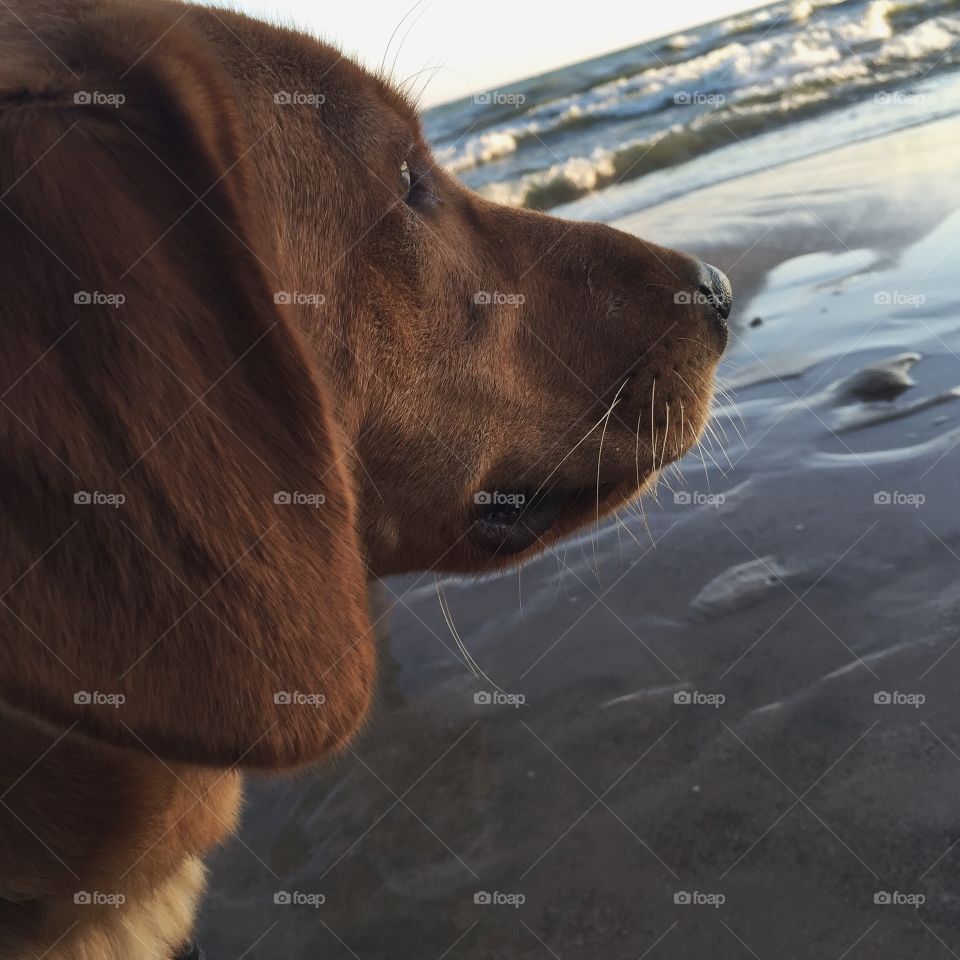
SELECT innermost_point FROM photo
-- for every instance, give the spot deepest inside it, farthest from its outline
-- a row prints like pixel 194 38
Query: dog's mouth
pixel 509 522
pixel 508 518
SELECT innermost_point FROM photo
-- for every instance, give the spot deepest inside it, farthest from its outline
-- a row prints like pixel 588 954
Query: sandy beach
pixel 725 727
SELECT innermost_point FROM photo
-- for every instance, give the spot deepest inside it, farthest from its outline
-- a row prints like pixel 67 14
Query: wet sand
pixel 747 702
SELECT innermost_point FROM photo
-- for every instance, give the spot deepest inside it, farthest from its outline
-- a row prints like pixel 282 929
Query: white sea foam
pixel 932 37
pixel 802 11
pixel 802 57
pixel 482 149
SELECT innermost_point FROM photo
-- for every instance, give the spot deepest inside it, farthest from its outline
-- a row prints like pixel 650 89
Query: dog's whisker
pixel 630 533
pixel 393 36
pixel 520 589
pixel 467 656
pixel 709 431
pixel 713 460
pixel 653 434
pixel 433 71
pixel 569 454
pixel 712 430
pixel 707 425
pixel 416 20
pixel 729 407
pixel 726 395
pixel 698 450
pixel 603 437
pixel 666 437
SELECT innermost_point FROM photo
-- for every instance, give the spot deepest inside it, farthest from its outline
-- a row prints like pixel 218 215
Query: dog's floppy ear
pixel 179 567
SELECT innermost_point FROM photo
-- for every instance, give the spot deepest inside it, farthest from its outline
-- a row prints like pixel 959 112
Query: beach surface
pixel 727 724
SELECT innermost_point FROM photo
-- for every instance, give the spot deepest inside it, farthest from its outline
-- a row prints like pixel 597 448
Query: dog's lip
pixel 508 518
pixel 511 521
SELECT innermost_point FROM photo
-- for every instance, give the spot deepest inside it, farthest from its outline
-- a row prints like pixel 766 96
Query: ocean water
pixel 726 99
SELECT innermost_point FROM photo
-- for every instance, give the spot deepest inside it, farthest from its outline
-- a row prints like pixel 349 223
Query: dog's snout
pixel 718 296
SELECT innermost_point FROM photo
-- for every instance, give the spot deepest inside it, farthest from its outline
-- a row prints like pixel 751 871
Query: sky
pixel 484 45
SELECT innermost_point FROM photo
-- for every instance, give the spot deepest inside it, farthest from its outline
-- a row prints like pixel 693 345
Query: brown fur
pixel 199 600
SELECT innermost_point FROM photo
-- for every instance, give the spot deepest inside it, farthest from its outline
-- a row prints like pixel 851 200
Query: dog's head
pixel 248 301
pixel 503 377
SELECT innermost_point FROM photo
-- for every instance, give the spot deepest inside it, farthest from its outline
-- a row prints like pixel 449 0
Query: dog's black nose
pixel 718 294
pixel 716 287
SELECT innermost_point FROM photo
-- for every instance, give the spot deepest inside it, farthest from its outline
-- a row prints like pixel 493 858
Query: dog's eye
pixel 416 185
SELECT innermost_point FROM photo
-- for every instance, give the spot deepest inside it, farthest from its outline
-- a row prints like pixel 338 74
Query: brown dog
pixel 257 349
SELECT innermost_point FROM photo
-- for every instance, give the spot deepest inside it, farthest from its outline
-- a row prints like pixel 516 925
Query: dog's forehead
pixel 275 60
